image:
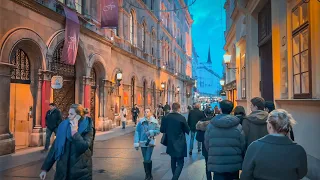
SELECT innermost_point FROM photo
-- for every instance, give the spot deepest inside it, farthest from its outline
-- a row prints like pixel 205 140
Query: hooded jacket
pixel 225 144
pixel 274 157
pixel 255 126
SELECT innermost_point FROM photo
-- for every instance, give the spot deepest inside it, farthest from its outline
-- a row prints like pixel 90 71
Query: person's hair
pixel 258 102
pixel 175 107
pixel 226 106
pixel 52 104
pixel 281 121
pixel 148 108
pixel 197 105
pixel 79 109
pixel 269 105
pixel 135 104
pixel 239 110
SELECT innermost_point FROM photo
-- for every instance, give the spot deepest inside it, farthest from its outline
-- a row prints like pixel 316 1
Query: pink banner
pixel 46 94
pixel 87 97
pixel 71 39
pixel 109 13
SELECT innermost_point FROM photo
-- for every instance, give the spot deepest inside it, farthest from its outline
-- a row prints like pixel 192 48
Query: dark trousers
pixel 48 137
pixel 176 167
pixel 226 176
pixel 135 119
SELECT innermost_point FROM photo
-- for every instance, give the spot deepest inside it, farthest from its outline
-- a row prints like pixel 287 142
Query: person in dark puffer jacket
pixel 72 149
pixel 225 143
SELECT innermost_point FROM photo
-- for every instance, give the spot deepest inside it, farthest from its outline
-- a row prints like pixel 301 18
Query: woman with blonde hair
pixel 275 156
pixel 72 149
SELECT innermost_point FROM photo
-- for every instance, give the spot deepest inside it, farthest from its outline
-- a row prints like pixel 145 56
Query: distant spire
pixel 209 57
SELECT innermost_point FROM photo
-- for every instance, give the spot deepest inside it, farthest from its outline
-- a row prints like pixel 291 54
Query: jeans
pixel 226 176
pixel 193 134
pixel 135 119
pixel 146 153
pixel 176 167
pixel 48 137
pixel 123 124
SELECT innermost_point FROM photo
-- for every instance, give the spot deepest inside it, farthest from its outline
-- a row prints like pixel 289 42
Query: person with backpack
pixel 72 148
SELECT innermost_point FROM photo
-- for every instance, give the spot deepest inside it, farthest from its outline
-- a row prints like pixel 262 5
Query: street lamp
pixel 162 88
pixel 178 91
pixel 117 84
pixel 222 82
pixel 227 61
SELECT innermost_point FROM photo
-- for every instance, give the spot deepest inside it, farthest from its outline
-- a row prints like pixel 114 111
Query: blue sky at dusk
pixel 208 28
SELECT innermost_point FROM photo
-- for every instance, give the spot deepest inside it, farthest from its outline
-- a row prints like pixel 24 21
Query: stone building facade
pixel 274 46
pixel 149 47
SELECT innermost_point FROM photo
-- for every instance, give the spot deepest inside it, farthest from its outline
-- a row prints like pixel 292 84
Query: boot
pixel 146 170
pixel 150 170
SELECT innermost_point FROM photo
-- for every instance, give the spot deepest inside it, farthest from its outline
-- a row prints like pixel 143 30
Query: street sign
pixel 56 82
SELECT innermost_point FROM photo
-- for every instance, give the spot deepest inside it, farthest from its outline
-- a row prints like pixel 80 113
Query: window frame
pixel 297 32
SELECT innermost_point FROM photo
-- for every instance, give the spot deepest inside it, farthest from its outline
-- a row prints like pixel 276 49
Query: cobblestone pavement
pixel 117 159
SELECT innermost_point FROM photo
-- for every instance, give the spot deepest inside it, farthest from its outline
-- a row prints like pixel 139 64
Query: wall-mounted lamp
pixel 178 91
pixel 227 60
pixel 162 88
pixel 188 95
pixel 222 82
pixel 117 84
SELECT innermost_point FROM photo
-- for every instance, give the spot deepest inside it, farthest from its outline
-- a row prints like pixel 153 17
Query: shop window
pixel 301 53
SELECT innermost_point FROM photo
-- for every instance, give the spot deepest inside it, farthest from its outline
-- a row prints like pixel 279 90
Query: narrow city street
pixel 117 159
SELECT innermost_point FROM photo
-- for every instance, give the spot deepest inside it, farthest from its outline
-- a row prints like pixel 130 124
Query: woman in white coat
pixel 123 115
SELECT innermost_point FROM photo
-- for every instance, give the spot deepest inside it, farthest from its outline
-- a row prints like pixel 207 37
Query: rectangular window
pixel 243 75
pixel 300 52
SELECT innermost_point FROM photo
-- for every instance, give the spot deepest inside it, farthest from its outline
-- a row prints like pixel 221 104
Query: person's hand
pixel 74 123
pixel 148 133
pixel 43 175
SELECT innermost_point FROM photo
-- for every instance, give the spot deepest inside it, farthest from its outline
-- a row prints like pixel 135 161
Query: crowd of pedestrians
pixel 235 145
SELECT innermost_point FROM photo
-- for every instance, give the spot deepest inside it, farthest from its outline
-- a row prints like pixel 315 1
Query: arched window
pixel 152 5
pixel 143 37
pixel 131 35
pixel 21 74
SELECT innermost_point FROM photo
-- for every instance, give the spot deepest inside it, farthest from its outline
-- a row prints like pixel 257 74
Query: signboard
pixel 56 82
pixel 223 93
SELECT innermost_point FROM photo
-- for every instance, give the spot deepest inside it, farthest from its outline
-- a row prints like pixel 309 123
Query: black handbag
pixel 164 139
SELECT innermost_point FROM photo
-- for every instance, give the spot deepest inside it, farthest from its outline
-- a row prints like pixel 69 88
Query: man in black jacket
pixel 53 119
pixel 135 113
pixel 194 116
pixel 174 125
pixel 166 108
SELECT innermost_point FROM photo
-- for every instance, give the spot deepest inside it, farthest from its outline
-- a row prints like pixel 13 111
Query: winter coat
pixel 201 129
pixel 274 157
pixel 53 119
pixel 174 125
pixel 255 126
pixel 194 117
pixel 166 109
pixel 145 125
pixel 135 112
pixel 225 144
pixel 123 114
pixel 76 161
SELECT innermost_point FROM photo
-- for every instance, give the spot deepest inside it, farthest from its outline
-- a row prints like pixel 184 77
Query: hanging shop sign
pixel 109 13
pixel 56 82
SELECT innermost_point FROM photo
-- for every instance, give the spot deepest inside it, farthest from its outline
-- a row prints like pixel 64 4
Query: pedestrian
pixel 193 118
pixel 201 129
pixel 135 114
pixel 146 130
pixel 123 116
pixel 72 148
pixel 275 156
pixel 240 113
pixel 208 111
pixel 255 124
pixel 216 110
pixel 225 144
pixel 53 119
pixel 159 112
pixel 166 108
pixel 175 126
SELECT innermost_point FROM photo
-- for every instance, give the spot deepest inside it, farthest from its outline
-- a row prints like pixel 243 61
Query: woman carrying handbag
pixel 144 137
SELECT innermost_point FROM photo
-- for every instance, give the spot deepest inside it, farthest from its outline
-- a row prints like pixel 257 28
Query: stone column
pixel 7 142
pixel 37 135
pixel 86 85
pixel 121 24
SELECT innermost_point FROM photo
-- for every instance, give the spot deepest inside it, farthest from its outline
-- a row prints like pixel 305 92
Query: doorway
pixel 21 99
pixel 93 77
pixel 64 97
pixel 265 52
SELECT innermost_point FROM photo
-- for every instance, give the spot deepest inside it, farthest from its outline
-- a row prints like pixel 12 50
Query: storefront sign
pixel 109 13
pixel 56 82
pixel 223 93
pixel 71 39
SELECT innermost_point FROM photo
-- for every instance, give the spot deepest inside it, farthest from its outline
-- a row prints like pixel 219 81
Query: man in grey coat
pixel 225 144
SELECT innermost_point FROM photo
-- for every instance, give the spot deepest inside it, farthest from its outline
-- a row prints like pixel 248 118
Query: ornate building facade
pixel 150 47
pixel 274 48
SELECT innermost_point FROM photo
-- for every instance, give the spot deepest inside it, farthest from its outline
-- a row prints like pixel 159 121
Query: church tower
pixel 209 62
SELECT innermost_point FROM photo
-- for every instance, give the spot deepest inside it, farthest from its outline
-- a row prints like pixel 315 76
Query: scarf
pixel 64 134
